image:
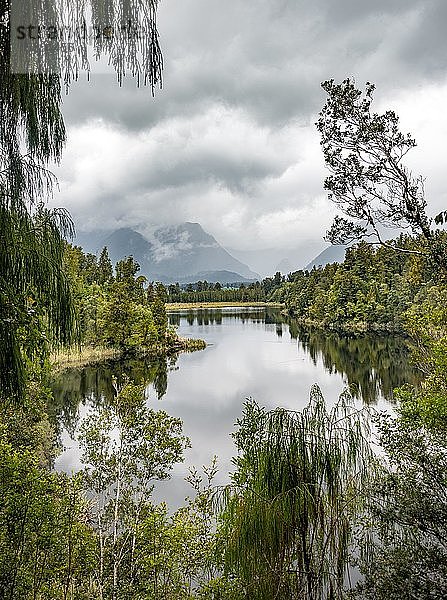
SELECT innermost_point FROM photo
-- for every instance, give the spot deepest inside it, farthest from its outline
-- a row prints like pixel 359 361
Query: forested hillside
pixel 370 290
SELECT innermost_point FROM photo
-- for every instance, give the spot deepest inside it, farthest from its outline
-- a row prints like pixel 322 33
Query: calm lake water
pixel 251 353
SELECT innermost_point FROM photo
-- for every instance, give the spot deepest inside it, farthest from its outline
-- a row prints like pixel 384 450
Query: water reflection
pixel 258 353
pixel 93 384
pixel 372 365
pixel 210 316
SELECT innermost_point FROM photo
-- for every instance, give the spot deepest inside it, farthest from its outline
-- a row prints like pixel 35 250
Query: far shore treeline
pixel 370 290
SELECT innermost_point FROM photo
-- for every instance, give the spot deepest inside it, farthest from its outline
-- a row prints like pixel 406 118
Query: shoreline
pixel 82 357
pixel 89 356
pixel 170 306
pixel 350 327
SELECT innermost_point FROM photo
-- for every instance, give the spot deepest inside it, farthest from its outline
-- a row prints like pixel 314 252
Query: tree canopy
pixel 364 152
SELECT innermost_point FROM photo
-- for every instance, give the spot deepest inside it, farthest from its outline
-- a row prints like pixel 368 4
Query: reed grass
pixel 74 357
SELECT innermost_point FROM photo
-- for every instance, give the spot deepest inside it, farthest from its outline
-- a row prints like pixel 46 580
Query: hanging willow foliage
pixel 288 515
pixel 34 294
pixel 123 32
pixel 35 301
pixel 72 32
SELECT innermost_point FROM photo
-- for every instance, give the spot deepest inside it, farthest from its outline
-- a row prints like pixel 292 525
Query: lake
pixel 255 353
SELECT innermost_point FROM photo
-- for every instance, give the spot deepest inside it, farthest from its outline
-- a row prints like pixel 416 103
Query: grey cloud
pixel 233 174
pixel 268 57
pixel 345 12
pixel 262 62
pixel 426 45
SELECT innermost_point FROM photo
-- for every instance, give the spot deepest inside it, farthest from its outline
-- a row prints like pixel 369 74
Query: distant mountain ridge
pixel 183 253
pixel 223 277
pixel 335 253
pixel 284 266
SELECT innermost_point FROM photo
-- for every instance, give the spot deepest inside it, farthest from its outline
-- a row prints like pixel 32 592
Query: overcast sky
pixel 230 141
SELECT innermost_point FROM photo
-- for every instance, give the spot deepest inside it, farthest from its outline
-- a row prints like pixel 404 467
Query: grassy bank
pixel 88 355
pixel 82 357
pixel 188 305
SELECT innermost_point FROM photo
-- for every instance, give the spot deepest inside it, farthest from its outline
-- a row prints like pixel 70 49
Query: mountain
pixel 182 252
pixel 284 266
pixel 217 276
pixel 186 250
pixel 335 253
pixel 267 261
pixel 127 242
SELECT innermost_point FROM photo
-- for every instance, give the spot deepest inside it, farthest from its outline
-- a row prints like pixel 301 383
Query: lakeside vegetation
pixel 119 311
pixel 213 545
pixel 371 290
pixel 191 305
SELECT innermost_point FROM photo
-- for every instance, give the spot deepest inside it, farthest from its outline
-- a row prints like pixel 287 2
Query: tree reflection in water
pixel 94 384
pixel 372 365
